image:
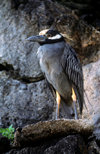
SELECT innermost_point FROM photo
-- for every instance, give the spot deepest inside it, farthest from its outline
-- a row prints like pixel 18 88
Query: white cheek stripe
pixel 58 36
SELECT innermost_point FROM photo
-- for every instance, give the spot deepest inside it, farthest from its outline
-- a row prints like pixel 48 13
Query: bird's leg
pixel 74 102
pixel 58 99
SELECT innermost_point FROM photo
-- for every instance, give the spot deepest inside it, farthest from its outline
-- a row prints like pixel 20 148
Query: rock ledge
pixel 40 131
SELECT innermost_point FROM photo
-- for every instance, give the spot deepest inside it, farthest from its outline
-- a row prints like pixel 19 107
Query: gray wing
pixel 73 70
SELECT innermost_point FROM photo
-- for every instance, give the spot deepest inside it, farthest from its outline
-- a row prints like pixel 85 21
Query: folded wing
pixel 73 70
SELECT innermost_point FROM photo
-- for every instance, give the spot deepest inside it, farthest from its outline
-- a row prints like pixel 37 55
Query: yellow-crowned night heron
pixel 61 67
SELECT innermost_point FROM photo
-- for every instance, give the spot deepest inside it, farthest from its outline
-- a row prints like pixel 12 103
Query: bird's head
pixel 47 37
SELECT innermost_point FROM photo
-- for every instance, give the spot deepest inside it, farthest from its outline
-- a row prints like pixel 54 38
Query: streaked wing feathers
pixel 73 70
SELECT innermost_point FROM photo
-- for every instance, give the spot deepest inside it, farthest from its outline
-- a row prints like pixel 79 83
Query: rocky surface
pixel 92 89
pixel 93 147
pixel 4 142
pixel 19 20
pixel 23 100
pixel 21 103
pixel 32 134
pixel 82 37
pixel 14 50
pixel 88 9
pixel 53 137
pixel 70 144
pixel 60 136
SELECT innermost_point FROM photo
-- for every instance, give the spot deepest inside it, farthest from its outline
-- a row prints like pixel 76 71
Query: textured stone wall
pixel 24 94
pixel 23 99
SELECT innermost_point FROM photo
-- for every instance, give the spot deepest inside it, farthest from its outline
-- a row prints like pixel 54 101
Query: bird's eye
pixel 48 35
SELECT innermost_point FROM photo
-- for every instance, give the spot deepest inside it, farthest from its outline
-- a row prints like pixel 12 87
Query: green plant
pixel 8 132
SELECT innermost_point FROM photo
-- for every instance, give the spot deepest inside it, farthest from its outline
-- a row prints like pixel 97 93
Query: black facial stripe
pixel 48 41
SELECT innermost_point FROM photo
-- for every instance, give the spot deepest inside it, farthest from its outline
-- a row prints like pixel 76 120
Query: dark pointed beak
pixel 38 38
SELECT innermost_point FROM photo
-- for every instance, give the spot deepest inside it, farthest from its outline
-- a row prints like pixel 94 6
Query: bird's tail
pixel 80 99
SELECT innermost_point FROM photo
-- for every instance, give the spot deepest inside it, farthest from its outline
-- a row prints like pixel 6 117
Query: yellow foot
pixel 58 100
pixel 74 103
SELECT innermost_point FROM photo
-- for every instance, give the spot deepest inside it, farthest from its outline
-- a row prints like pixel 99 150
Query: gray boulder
pixel 14 50
pixel 92 90
pixel 19 64
pixel 21 103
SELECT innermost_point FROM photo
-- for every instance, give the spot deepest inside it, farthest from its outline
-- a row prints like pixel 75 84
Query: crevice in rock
pixel 8 68
pixel 29 79
pixel 16 3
